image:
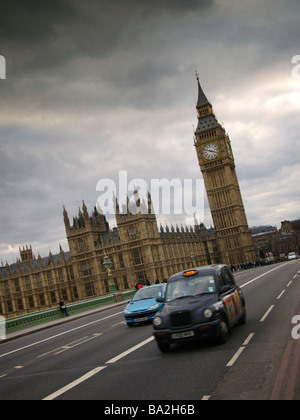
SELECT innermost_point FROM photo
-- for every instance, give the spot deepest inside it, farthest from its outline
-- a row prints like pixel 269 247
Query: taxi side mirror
pixel 160 300
pixel 224 289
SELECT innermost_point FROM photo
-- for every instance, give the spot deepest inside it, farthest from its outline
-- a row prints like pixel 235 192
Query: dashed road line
pixel 131 350
pixel 247 341
pixel 281 294
pixel 236 356
pixel 267 313
pixel 240 350
pixel 74 383
pixel 262 275
pixel 95 371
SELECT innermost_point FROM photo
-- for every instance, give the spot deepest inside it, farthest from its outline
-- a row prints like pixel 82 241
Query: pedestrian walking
pixel 63 307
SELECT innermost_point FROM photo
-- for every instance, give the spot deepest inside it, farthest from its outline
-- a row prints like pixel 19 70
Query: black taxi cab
pixel 199 303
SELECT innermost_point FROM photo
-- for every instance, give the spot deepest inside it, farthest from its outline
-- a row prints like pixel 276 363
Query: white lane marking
pixel 206 397
pixel 70 346
pixel 138 346
pixel 75 344
pixel 95 371
pixel 288 285
pixel 59 335
pixel 119 323
pixel 262 275
pixel 267 313
pixel 281 294
pixel 236 356
pixel 74 383
pixel 240 350
pixel 247 341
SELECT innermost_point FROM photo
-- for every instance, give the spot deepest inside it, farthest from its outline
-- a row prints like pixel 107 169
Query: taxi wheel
pixel 164 347
pixel 223 332
pixel 243 319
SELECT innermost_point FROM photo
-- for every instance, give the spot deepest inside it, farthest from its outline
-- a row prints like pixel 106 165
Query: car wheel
pixel 164 347
pixel 223 332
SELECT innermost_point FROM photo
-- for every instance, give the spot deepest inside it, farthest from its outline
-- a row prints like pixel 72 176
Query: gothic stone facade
pixel 139 251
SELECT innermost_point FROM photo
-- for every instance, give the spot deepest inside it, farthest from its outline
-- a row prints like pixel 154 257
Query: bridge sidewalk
pixel 57 322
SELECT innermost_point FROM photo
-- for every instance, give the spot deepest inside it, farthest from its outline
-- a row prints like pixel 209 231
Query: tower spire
pixel 202 99
pixel 206 117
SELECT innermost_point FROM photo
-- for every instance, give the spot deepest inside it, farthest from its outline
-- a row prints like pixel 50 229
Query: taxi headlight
pixel 208 313
pixel 157 321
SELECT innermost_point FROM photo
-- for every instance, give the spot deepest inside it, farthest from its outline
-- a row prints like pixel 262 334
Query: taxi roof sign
pixel 190 273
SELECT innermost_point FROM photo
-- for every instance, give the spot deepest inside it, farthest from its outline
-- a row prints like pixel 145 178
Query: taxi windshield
pixel 190 287
pixel 148 293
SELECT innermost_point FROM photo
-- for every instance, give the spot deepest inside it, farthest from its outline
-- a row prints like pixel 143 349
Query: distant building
pixel 139 252
pixel 279 242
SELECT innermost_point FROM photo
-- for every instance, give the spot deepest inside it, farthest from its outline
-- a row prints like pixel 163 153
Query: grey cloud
pixel 96 87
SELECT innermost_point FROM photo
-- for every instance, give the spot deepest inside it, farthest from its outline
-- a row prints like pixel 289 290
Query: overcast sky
pixel 97 87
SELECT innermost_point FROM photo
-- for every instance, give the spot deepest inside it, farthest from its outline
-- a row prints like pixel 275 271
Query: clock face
pixel 210 151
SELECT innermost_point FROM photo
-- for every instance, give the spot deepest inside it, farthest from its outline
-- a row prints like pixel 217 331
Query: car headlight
pixel 127 312
pixel 157 321
pixel 208 313
pixel 153 307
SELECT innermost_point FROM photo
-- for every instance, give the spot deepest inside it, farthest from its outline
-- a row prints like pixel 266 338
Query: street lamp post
pixel 193 258
pixel 108 266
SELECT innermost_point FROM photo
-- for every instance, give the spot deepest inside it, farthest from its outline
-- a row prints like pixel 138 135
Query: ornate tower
pixel 140 238
pixel 217 164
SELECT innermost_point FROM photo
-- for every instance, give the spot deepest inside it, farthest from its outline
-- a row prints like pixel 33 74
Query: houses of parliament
pixel 138 249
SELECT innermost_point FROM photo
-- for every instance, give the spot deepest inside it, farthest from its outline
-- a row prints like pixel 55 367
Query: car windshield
pixel 148 293
pixel 190 287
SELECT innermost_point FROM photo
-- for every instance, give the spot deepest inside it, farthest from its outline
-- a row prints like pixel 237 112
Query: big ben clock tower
pixel 217 164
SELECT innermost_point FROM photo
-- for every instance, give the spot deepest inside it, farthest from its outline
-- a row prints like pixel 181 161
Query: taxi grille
pixel 140 315
pixel 181 319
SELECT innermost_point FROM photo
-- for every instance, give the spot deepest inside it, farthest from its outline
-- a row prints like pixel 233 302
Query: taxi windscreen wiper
pixel 183 297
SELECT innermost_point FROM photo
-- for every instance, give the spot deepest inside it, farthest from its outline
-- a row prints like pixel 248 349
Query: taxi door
pixel 231 298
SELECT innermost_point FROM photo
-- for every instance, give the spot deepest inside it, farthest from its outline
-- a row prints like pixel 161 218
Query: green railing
pixel 35 318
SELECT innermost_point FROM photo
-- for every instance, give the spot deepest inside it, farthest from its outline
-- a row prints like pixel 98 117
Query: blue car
pixel 143 307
